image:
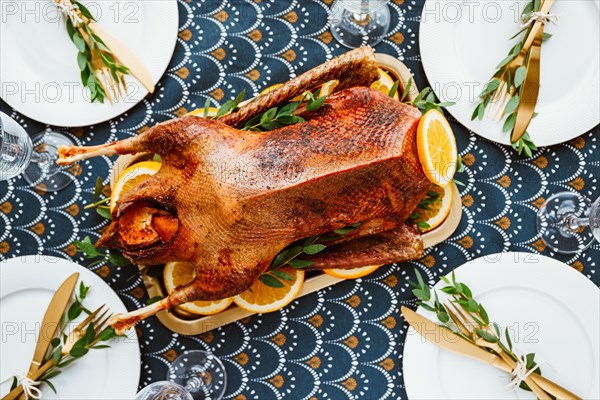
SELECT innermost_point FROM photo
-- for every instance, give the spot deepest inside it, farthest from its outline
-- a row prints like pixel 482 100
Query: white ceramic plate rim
pixel 512 270
pixel 562 116
pixel 56 97
pixel 47 273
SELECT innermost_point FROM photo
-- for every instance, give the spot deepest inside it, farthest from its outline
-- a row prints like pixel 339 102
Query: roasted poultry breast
pixel 228 201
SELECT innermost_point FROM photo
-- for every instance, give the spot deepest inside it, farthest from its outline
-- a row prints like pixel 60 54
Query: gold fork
pixel 104 76
pixel 99 323
pixel 466 326
pixel 502 95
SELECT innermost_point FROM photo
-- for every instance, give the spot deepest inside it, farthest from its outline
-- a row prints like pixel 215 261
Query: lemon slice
pixel 352 273
pixel 132 176
pixel 439 210
pixel 384 84
pixel 261 298
pixel 436 146
pixel 179 273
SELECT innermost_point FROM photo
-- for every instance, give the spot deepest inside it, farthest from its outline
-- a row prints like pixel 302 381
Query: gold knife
pixel 448 340
pixel 531 88
pixel 51 320
pixel 125 56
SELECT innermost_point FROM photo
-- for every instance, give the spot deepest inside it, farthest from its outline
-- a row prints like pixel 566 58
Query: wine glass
pixel 194 375
pixel 34 158
pixel 356 23
pixel 568 222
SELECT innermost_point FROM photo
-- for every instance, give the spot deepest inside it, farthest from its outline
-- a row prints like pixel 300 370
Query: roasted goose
pixel 229 201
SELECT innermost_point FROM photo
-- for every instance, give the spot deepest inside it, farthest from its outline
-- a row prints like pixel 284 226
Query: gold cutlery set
pixel 484 351
pixel 102 58
pixel 50 324
pixel 512 93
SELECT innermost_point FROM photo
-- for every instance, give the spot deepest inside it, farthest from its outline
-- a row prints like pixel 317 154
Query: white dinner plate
pixel 549 308
pixel 38 61
pixel 27 286
pixel 462 42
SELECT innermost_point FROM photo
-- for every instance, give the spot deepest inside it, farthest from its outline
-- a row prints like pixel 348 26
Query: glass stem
pixel 42 159
pixel 574 223
pixel 193 384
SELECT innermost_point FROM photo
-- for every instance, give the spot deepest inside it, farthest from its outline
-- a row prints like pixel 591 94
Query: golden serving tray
pixel 186 323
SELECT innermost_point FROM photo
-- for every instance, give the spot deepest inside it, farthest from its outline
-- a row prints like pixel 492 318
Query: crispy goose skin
pixel 229 201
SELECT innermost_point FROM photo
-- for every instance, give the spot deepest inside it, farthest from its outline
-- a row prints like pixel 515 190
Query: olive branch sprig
pixel 89 44
pixel 462 295
pixel 525 144
pixel 91 340
pixel 292 255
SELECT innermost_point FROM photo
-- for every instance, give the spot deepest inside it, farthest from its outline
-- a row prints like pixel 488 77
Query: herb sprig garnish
pixel 424 101
pixel 99 203
pixel 525 144
pixel 88 342
pixel 90 45
pixel 292 255
pixel 425 204
pixel 462 295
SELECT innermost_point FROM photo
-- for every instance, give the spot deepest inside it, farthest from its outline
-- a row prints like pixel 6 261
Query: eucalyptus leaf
pixel 443 316
pixel 87 247
pixel 282 275
pixel 509 123
pixel 300 263
pixel 512 104
pixel 78 352
pixel 394 89
pixel 107 334
pixel 488 337
pixel 314 249
pixel 85 11
pixel 78 41
pixel 316 104
pixel 104 212
pixel 268 116
pixel 74 311
pixel 288 109
pixel 507 334
pixel 81 61
pixel 89 333
pixel 116 258
pixel 422 294
pixel 520 76
pixel 270 281
pixel 57 355
pixel 50 385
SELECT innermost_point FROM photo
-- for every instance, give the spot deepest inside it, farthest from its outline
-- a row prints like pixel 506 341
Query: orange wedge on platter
pixel 437 149
pixel 261 298
pixel 180 273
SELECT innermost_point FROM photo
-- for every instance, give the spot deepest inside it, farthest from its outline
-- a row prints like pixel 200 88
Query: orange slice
pixel 352 273
pixel 261 298
pixel 384 84
pixel 439 210
pixel 436 146
pixel 179 273
pixel 212 111
pixel 129 178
